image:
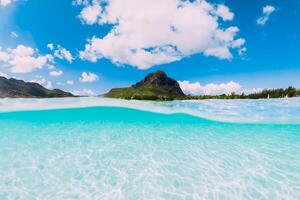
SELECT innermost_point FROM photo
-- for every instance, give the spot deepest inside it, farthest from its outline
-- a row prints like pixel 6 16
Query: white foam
pixel 252 111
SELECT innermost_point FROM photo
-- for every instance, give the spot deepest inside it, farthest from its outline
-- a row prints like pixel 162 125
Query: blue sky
pixel 272 58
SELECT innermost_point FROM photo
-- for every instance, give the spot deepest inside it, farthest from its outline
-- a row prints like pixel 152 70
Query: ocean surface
pixel 97 148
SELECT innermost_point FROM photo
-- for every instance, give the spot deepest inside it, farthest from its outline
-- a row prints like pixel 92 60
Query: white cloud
pixel 4 56
pixel 242 51
pixel 253 90
pixel 220 52
pixel 14 34
pixel 5 2
pixel 84 92
pixel 209 89
pixel 27 64
pixel 63 53
pixel 56 73
pixel 42 81
pixel 88 77
pixel 23 59
pixel 238 43
pixel 90 14
pixel 50 46
pixel 146 33
pixel 267 11
pixel 3 75
pixel 70 82
pixel 22 50
pixel 224 12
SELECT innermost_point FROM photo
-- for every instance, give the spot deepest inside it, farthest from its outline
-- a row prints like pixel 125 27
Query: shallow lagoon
pixel 90 148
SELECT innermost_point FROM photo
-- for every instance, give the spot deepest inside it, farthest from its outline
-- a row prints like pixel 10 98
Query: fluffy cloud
pixel 70 82
pixel 242 51
pixel 39 80
pixel 88 77
pixel 50 46
pixel 56 73
pixel 224 12
pixel 84 92
pixel 42 81
pixel 62 53
pixel 24 59
pixel 90 14
pixel 5 2
pixel 3 75
pixel 267 11
pixel 210 89
pixel 146 33
pixel 4 56
pixel 253 90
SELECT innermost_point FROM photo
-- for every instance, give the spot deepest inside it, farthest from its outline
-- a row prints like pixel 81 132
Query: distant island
pixel 158 86
pixel 13 88
pixel 155 86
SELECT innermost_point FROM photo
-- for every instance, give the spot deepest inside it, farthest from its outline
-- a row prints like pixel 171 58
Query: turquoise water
pixel 122 153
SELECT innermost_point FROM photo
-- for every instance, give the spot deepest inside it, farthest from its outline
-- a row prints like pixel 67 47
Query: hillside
pixel 155 86
pixel 13 88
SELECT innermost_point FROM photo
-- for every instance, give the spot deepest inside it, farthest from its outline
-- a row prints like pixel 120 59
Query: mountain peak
pixel 158 78
pixel 155 86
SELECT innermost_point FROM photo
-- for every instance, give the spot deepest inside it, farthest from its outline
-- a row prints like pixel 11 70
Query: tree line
pixel 264 94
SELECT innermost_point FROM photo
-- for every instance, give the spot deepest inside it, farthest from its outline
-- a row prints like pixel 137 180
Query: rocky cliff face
pixel 155 86
pixel 13 88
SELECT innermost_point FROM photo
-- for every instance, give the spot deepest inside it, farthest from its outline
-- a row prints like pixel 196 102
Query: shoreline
pixel 259 111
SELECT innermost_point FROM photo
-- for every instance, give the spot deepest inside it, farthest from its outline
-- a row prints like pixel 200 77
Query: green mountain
pixel 13 88
pixel 155 86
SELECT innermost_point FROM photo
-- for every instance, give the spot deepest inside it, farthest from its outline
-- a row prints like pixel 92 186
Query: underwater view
pixel 97 148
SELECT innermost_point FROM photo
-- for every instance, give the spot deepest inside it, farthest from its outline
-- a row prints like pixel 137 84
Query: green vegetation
pixel 158 86
pixel 145 92
pixel 155 86
pixel 273 93
pixel 12 88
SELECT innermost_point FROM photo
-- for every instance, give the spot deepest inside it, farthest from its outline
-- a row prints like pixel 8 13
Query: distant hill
pixel 19 89
pixel 155 86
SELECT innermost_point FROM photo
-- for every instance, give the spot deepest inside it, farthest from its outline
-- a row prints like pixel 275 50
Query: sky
pixel 209 46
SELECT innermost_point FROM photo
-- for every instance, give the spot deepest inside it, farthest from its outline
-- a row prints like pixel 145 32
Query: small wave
pixel 239 111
